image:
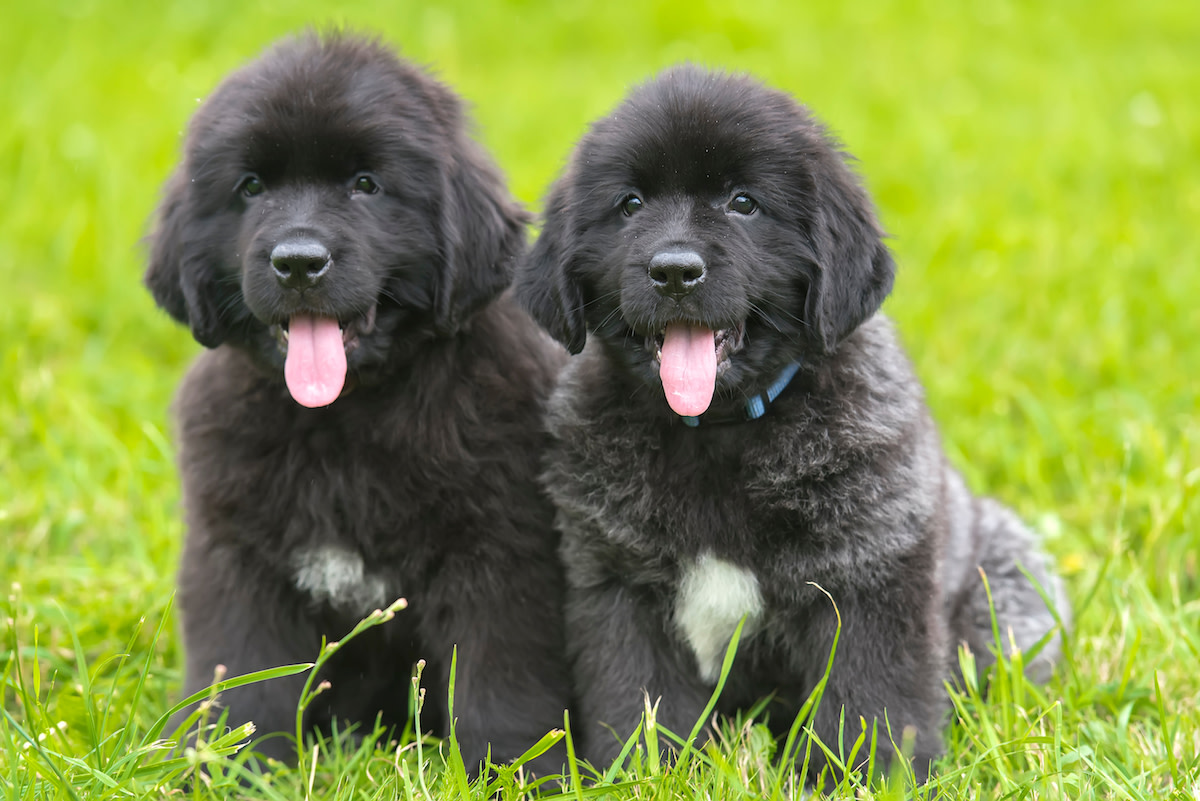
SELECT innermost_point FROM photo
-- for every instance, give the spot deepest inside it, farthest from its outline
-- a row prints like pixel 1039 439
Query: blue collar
pixel 756 406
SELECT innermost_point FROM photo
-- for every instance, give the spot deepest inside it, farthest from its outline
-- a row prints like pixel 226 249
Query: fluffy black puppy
pixel 368 422
pixel 743 426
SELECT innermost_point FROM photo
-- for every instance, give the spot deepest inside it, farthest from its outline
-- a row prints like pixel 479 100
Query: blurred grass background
pixel 1037 164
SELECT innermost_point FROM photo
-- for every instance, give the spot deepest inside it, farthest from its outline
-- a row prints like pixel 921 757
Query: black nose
pixel 676 272
pixel 300 264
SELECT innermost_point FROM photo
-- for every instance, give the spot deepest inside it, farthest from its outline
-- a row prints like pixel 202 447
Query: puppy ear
pixel 182 281
pixel 483 235
pixel 543 285
pixel 854 269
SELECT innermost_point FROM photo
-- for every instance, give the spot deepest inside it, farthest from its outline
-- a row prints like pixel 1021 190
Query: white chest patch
pixel 335 575
pixel 714 595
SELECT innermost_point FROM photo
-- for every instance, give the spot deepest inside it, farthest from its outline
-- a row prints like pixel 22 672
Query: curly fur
pixel 842 484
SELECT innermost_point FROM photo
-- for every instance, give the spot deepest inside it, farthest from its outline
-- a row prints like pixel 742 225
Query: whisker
pixel 387 294
pixel 765 318
pixel 231 303
pixel 605 296
pixel 785 313
pixel 609 317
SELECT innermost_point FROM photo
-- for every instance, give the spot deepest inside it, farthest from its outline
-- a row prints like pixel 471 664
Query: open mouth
pixel 315 349
pixel 691 356
pixel 350 330
pixel 726 341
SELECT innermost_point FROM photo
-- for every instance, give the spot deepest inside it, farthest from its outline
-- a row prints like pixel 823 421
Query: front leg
pixel 888 670
pixel 623 649
pixel 502 610
pixel 237 616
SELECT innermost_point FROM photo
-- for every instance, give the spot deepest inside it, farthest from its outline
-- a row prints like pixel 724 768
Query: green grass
pixel 1038 165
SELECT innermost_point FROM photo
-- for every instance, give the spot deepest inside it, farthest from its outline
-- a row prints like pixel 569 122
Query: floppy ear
pixel 182 281
pixel 483 235
pixel 543 285
pixel 854 269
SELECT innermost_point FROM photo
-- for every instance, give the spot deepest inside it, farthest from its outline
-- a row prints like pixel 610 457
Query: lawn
pixel 1037 165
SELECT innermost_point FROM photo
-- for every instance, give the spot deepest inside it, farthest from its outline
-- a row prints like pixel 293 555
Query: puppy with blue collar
pixel 740 436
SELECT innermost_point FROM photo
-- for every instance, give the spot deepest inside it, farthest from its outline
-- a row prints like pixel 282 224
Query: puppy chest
pixel 712 598
pixel 338 576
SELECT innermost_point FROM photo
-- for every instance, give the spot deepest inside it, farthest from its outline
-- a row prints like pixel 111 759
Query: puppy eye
pixel 365 184
pixel 251 185
pixel 743 204
pixel 631 205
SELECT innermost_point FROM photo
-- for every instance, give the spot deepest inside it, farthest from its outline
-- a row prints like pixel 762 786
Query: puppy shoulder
pixel 858 413
pixel 586 395
pixel 504 364
pixel 875 356
pixel 869 390
pixel 532 351
pixel 219 385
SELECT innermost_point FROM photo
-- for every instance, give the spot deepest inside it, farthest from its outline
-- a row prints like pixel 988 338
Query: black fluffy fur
pixel 842 484
pixel 423 473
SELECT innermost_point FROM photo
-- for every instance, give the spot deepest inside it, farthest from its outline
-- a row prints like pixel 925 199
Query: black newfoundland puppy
pixel 744 427
pixel 368 422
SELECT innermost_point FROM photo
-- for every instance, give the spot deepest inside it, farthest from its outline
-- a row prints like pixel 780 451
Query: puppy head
pixel 710 227
pixel 330 212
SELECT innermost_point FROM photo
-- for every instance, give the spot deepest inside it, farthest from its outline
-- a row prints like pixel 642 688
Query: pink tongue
pixel 315 368
pixel 689 368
